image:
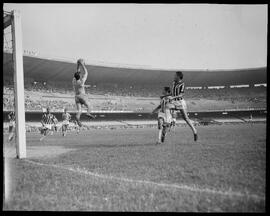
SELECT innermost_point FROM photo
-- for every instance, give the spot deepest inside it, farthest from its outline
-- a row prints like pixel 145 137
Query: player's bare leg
pixel 11 136
pixel 186 118
pixel 160 128
pixel 64 130
pixel 89 110
pixel 77 128
pixel 165 129
pixel 78 114
pixel 11 133
pixel 44 133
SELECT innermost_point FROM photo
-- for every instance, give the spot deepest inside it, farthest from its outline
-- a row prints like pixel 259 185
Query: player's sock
pixel 195 137
pixel 163 136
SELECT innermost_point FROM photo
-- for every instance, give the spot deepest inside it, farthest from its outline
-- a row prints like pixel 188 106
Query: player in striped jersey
pixel 79 89
pixel 11 128
pixel 164 114
pixel 179 102
pixel 48 122
pixel 66 118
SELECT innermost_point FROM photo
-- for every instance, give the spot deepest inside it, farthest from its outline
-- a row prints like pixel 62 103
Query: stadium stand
pixel 56 96
pixel 48 83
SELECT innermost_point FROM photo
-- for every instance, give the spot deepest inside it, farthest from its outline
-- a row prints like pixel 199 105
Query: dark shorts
pixel 80 99
pixel 10 128
pixel 162 124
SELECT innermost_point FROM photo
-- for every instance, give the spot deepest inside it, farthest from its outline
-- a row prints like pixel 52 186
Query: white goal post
pixel 14 19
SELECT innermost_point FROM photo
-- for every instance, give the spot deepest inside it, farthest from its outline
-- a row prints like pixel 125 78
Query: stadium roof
pixel 42 69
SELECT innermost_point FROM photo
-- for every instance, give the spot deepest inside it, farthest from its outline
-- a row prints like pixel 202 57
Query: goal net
pixel 13 89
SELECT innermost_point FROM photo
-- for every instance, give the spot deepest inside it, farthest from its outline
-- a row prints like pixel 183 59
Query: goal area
pixel 13 67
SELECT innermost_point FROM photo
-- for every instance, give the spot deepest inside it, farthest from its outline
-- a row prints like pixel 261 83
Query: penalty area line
pixel 164 185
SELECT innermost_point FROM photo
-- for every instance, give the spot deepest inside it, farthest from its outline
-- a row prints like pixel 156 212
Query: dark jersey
pixel 178 88
pixel 48 118
pixel 11 116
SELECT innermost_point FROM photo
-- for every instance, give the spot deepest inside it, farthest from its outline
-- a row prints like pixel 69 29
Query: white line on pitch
pixel 176 186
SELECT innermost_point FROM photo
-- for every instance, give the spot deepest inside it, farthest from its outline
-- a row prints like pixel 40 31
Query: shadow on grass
pixel 110 145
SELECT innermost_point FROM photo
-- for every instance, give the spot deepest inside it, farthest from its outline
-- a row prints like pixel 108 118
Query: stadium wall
pixel 122 116
pixel 53 70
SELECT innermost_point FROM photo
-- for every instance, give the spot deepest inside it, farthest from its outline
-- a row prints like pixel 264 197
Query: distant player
pixel 79 89
pixel 164 114
pixel 179 102
pixel 48 122
pixel 77 127
pixel 11 128
pixel 66 117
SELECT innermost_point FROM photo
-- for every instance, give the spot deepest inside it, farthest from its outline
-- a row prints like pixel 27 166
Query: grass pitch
pixel 123 170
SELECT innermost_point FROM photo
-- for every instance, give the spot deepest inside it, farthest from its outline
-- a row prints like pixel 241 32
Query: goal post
pixel 14 19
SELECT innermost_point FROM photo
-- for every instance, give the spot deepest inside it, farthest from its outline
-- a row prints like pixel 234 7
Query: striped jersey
pixel 11 116
pixel 66 116
pixel 178 88
pixel 48 118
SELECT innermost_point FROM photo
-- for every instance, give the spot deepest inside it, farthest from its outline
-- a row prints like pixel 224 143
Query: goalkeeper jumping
pixel 79 88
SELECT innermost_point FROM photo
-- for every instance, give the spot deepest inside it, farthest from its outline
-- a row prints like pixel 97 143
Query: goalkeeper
pixel 79 89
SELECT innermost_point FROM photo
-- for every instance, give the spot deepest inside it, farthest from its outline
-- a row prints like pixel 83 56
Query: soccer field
pixel 123 170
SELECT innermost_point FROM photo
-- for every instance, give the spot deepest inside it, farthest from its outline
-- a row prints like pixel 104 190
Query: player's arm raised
pixel 78 66
pixel 85 75
pixel 156 109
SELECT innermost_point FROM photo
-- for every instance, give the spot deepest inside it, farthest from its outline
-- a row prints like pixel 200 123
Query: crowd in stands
pixel 36 91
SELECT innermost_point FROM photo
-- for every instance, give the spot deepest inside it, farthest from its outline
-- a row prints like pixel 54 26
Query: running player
pixel 66 118
pixel 179 102
pixel 76 127
pixel 79 89
pixel 164 114
pixel 48 122
pixel 11 128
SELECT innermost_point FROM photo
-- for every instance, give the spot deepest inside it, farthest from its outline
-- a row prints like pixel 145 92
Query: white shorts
pixel 12 124
pixel 65 122
pixel 48 126
pixel 167 116
pixel 180 104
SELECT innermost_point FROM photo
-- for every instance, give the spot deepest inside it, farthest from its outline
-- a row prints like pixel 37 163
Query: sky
pixel 158 36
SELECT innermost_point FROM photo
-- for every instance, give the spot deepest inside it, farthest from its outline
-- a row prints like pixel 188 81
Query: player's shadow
pixel 111 145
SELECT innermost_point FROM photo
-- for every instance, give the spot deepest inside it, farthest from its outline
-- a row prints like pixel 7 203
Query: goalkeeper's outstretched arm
pixel 85 75
pixel 78 66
